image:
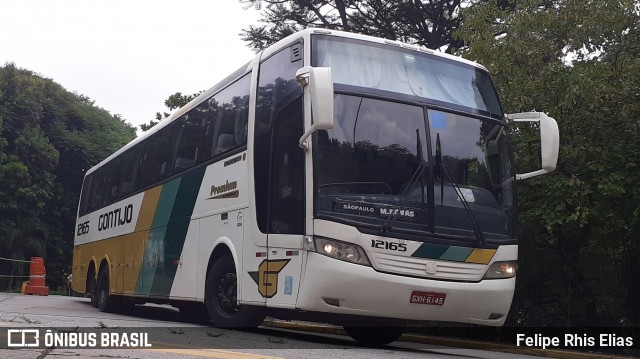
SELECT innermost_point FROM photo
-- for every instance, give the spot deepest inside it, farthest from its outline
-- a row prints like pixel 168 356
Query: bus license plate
pixel 430 298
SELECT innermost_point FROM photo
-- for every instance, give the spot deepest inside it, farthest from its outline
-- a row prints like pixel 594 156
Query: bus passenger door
pixel 286 216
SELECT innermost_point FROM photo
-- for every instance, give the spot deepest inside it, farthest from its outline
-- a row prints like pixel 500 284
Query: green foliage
pixel 427 23
pixel 173 102
pixel 48 138
pixel 578 61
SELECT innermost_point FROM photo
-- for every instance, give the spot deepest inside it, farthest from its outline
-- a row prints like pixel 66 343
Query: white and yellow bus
pixel 336 177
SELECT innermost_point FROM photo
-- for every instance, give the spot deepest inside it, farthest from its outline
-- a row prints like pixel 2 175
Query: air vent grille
pixel 296 52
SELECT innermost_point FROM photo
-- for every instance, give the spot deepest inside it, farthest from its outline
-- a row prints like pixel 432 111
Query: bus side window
pixel 225 130
pixel 158 151
pixel 231 117
pixel 129 175
pixel 242 125
pixel 112 180
pixel 85 194
pixel 189 140
pixel 96 199
pixel 216 131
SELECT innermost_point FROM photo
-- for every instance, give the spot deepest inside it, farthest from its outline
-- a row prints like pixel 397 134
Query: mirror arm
pixel 524 176
pixel 304 140
pixel 318 92
pixel 303 79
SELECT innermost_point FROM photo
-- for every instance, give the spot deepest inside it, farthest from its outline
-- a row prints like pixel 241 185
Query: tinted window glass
pixel 189 145
pixel 156 156
pixel 129 176
pixel 214 127
pixel 229 113
pixel 409 72
pixel 287 178
pixel 277 87
pixel 86 190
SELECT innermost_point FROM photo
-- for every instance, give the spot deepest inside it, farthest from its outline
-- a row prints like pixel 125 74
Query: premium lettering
pixel 227 187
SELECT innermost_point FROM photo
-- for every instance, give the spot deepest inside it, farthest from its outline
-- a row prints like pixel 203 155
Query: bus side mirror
pixel 549 141
pixel 318 87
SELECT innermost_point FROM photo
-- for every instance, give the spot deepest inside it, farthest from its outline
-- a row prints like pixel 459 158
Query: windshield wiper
pixel 441 168
pixel 418 173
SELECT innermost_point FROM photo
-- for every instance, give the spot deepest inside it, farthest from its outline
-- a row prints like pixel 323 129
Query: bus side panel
pixel 220 230
pixel 168 234
pixel 132 256
pixel 92 240
pixel 143 262
pixel 184 284
pixel 218 211
pixel 249 288
pixel 284 270
pixel 79 271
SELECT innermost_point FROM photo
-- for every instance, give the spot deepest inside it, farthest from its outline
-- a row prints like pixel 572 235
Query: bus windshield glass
pixel 409 72
pixel 416 166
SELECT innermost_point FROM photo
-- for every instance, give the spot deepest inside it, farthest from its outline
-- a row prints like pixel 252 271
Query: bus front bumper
pixel 339 287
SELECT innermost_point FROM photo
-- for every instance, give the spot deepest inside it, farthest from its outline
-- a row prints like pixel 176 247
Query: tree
pixel 173 102
pixel 428 23
pixel 579 61
pixel 49 137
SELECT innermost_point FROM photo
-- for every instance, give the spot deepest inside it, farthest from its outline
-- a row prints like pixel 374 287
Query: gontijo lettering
pixel 115 218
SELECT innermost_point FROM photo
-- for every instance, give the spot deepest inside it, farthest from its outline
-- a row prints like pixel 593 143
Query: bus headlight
pixel 500 270
pixel 343 251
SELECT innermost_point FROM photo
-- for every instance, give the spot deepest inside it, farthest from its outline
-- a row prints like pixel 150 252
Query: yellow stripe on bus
pixel 481 256
pixel 148 208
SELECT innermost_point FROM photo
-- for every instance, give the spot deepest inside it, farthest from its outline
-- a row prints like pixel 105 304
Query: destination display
pixel 400 213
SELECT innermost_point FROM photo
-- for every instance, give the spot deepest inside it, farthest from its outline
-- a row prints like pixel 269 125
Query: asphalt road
pixel 168 335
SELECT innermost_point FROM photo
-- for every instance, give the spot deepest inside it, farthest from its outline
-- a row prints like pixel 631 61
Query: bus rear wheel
pixel 106 302
pixel 92 288
pixel 221 298
pixel 375 336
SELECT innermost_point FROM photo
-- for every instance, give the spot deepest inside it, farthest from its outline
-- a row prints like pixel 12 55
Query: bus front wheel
pixel 221 298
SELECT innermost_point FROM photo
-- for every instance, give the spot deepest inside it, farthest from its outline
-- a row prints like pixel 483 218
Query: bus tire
pixel 106 302
pixel 92 288
pixel 221 302
pixel 374 336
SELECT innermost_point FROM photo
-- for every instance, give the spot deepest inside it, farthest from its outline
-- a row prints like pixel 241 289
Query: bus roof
pixel 306 34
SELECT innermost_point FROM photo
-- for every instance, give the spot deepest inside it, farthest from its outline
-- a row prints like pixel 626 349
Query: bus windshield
pixel 409 164
pixel 409 72
pixel 368 167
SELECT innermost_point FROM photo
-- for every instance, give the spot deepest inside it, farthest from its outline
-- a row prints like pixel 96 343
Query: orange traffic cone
pixel 37 276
